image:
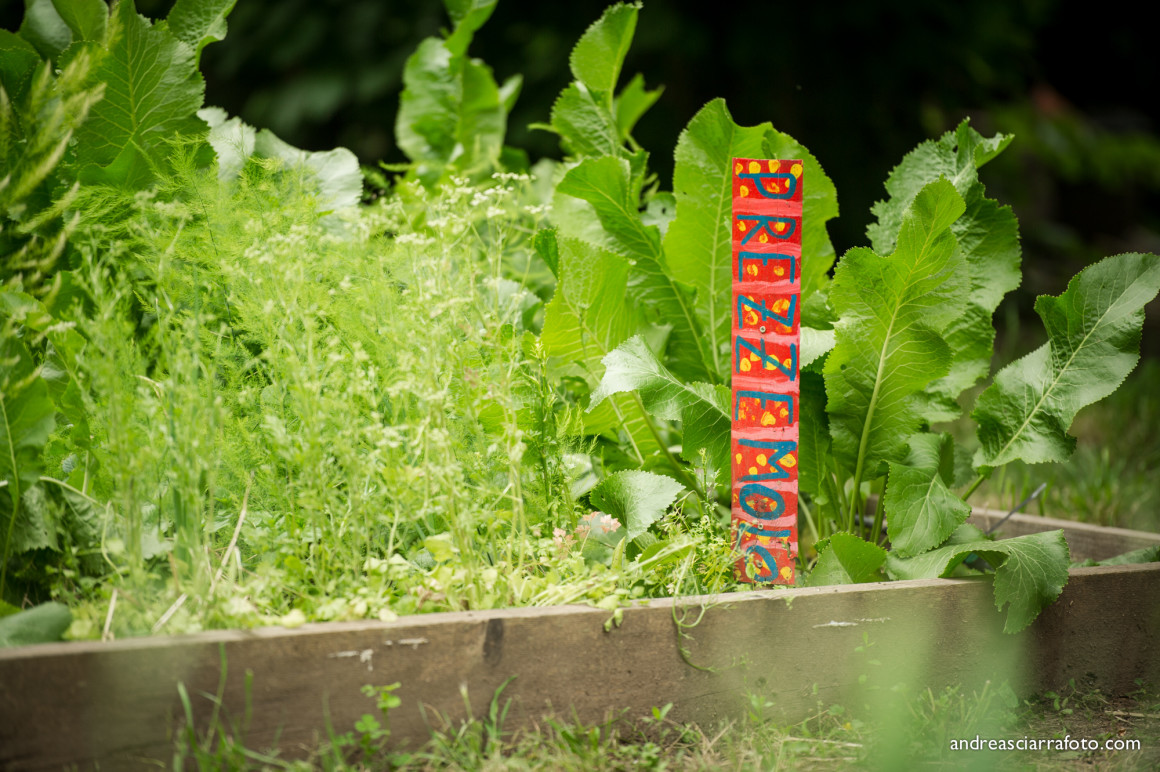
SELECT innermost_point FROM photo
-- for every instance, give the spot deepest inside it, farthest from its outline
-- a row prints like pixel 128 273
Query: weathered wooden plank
pixel 1086 541
pixel 64 704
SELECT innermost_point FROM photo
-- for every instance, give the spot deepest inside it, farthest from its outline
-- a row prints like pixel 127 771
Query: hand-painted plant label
pixel 767 250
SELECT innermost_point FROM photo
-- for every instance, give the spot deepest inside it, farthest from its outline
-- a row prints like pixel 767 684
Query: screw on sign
pixel 767 248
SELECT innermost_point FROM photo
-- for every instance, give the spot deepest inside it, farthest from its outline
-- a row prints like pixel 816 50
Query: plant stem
pixel 809 517
pixel 879 512
pixel 628 434
pixel 68 487
pixel 843 503
pixel 978 481
pixel 683 474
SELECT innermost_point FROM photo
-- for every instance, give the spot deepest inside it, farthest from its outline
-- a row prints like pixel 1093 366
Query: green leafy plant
pixel 901 332
pixel 233 391
pixel 452 114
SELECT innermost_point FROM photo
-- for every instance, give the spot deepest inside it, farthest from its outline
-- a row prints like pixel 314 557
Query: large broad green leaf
pixel 467 16
pixel 698 244
pixel 703 409
pixel 59 371
pixel 814 345
pixel 575 218
pixel 44 28
pixel 26 421
pixel 18 60
pixel 333 174
pixel 152 91
pixel 939 452
pixel 921 511
pixel 509 91
pixel 847 560
pixel 39 520
pixel 819 206
pixel 1135 557
pixel 987 235
pixel 40 624
pixel 609 186
pixel 85 18
pixel 588 119
pixel 586 128
pixel 889 347
pixel 633 102
pixel 1093 332
pixel 232 140
pixel 451 111
pixel 1032 573
pixel 469 13
pixel 198 22
pixel 637 499
pixel 815 458
pixel 26 418
pixel 956 155
pixel 482 116
pixel 547 246
pixel 589 316
pixel 428 107
pixel 599 54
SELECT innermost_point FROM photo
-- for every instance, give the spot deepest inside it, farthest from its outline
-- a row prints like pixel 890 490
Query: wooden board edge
pixel 120 700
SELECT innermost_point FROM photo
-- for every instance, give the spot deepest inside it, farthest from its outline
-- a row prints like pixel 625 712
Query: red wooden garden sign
pixel 767 228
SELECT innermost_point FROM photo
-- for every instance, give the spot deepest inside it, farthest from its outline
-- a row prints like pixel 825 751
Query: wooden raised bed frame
pixel 73 703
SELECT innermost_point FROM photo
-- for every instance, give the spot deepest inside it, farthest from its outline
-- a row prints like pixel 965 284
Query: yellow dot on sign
pixel 768 419
pixel 737 167
pixel 787 362
pixel 769 365
pixel 761 459
pixel 789 462
pixel 773 165
pixel 786 573
pixel 744 191
pixel 781 305
pixel 753 470
pixel 738 457
pixel 796 170
pixel 784 412
pixel 763 238
pixel 741 227
pixel 751 270
pixel 744 365
pixel 779 227
pixel 778 270
pixel 754 167
pixel 773 188
pixel 754 357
